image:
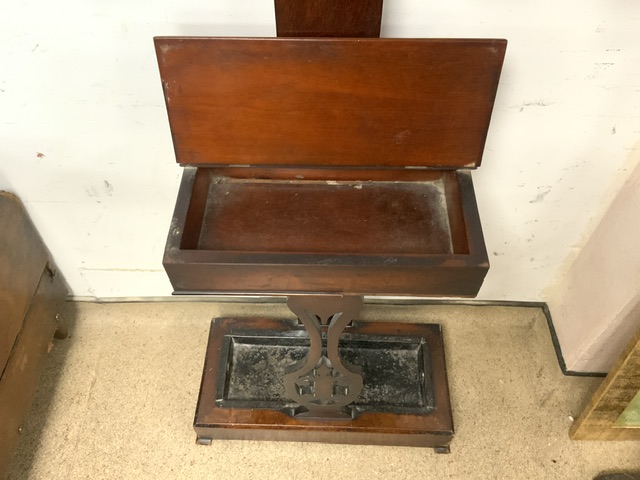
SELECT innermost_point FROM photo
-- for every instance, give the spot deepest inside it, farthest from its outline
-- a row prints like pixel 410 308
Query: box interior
pixel 320 216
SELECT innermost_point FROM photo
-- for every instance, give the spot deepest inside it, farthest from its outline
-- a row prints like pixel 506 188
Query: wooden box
pixel 32 292
pixel 328 165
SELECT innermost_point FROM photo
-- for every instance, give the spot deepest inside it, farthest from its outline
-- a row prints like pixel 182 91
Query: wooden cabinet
pixel 324 170
pixel 31 293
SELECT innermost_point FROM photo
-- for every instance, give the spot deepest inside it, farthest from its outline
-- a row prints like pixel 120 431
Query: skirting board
pixel 368 300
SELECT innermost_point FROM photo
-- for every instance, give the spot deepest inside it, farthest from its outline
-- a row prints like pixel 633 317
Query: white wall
pixel 596 303
pixel 79 85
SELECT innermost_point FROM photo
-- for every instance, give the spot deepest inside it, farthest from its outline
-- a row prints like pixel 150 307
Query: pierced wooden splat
pixel 324 383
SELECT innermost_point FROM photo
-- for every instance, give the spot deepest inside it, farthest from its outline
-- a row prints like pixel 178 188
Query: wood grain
pixel 328 18
pixel 329 102
pixel 22 260
pixel 213 248
pixel 31 291
pixel 383 218
pixel 597 421
pixel 20 377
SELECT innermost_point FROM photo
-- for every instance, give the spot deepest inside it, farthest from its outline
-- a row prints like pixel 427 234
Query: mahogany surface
pixel 431 429
pixel 32 292
pixel 329 102
pixel 326 166
pixel 384 218
pixel 328 18
pixel 281 236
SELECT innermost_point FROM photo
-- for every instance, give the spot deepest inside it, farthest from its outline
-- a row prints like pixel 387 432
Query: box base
pixel 404 401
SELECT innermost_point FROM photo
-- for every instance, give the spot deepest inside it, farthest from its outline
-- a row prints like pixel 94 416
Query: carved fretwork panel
pixel 323 383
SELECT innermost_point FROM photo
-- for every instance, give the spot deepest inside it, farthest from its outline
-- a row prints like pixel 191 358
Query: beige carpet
pixel 117 399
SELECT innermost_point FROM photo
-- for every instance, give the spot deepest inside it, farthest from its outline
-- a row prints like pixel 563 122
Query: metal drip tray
pixel 396 370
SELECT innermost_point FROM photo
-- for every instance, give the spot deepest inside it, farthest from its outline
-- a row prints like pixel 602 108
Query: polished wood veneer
pixel 295 236
pixel 328 18
pixel 329 102
pixel 324 170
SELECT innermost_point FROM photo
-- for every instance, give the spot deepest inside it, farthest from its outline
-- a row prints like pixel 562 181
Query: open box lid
pixel 329 102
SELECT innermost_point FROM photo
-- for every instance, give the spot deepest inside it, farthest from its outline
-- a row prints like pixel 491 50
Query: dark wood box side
pixel 192 276
pixel 200 271
pixel 22 372
pixel 22 261
pixel 31 293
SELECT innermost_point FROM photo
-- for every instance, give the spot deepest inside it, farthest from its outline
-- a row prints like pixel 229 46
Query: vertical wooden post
pixel 328 18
